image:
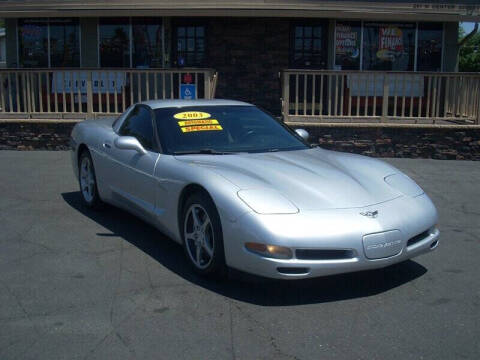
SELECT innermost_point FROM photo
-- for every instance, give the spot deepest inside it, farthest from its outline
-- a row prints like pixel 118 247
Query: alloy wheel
pixel 199 236
pixel 87 179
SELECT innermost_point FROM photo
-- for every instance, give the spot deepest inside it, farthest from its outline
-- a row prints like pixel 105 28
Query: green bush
pixel 469 60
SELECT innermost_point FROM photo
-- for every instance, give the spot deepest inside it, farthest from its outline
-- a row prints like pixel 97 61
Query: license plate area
pixel 382 245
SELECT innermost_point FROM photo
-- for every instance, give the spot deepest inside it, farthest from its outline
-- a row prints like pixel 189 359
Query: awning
pixel 463 10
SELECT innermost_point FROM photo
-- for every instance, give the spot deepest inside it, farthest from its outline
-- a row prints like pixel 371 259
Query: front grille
pixel 322 254
pixel 418 238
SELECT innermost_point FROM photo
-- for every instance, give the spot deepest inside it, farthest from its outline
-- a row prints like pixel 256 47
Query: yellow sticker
pixel 191 115
pixel 198 122
pixel 201 128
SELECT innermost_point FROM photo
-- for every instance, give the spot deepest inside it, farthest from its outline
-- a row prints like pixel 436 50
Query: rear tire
pixel 202 236
pixel 88 182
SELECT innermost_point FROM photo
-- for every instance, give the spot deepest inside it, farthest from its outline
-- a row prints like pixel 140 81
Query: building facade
pixel 247 44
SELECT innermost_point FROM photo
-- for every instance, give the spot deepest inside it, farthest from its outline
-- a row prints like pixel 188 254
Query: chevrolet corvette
pixel 240 189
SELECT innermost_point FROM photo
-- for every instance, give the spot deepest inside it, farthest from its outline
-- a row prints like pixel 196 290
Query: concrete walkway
pixel 77 284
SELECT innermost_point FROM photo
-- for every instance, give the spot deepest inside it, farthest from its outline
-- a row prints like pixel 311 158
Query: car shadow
pixel 240 286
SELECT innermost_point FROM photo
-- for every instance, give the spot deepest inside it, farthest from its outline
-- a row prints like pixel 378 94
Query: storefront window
pixel 190 45
pixel 147 42
pixel 389 46
pixel 64 43
pixel 430 36
pixel 114 42
pixel 347 45
pixel 33 42
pixel 308 46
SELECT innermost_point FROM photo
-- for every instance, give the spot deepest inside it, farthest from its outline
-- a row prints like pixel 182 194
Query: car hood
pixel 312 179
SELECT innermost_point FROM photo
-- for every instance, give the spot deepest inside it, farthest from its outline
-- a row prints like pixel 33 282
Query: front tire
pixel 88 181
pixel 202 236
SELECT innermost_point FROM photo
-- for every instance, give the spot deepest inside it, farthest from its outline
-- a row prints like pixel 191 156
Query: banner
pixel 390 43
pixel 73 81
pixel 346 41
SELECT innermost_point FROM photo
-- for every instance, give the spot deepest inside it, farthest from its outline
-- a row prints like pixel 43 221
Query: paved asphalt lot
pixel 104 285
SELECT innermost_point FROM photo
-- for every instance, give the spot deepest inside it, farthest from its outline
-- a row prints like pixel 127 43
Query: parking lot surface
pixel 79 284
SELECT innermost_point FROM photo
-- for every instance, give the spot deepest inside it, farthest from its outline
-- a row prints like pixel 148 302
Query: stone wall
pixel 384 140
pixel 35 135
pixel 379 140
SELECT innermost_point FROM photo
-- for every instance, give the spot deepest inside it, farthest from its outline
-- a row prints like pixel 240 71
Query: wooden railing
pixel 372 96
pixel 90 92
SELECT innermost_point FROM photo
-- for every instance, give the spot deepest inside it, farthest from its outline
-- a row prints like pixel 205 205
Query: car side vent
pixel 418 238
pixel 323 254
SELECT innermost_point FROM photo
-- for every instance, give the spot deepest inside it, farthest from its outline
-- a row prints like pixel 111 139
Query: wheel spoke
pixel 189 236
pixel 208 249
pixel 205 225
pixel 196 220
pixel 198 249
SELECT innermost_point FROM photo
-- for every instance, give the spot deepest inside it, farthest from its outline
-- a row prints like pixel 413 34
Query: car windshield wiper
pixel 203 151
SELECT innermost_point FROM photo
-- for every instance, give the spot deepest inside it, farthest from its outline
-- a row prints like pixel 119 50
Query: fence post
pixel 386 93
pixel 90 93
pixel 213 85
pixel 2 96
pixel 207 79
pixel 285 95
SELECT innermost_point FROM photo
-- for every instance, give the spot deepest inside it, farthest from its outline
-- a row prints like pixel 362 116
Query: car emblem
pixel 370 214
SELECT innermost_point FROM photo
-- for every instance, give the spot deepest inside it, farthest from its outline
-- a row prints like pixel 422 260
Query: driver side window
pixel 139 125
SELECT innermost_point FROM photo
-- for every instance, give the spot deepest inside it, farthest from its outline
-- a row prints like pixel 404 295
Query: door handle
pixel 107 145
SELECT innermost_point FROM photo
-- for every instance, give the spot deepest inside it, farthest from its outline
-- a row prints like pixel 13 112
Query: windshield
pixel 222 130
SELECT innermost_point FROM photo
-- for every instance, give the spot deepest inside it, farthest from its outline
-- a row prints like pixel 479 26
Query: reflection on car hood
pixel 312 179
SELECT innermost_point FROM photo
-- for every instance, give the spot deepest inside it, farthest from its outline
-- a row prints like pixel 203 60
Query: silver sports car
pixel 239 189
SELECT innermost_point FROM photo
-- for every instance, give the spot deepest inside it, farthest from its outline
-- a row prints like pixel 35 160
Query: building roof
pixel 440 10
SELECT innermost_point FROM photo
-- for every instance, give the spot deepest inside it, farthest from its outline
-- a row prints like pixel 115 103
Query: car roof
pixel 158 104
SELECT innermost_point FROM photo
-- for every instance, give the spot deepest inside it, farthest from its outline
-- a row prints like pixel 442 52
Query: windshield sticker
pixel 191 115
pixel 198 122
pixel 201 128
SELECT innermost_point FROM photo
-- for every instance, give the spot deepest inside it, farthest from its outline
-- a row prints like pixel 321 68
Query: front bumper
pixel 344 231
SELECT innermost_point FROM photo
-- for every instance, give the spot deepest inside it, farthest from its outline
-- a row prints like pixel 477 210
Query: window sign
pixel 347 45
pixel 73 81
pixel 388 46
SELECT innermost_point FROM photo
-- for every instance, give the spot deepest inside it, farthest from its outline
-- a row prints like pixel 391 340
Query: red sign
pixel 187 78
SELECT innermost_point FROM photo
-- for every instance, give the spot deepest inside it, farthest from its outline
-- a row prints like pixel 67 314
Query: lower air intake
pixel 322 254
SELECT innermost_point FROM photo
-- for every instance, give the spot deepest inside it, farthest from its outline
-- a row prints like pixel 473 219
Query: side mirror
pixel 129 143
pixel 303 133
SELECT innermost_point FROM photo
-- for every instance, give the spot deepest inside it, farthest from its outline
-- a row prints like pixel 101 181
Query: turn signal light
pixel 270 251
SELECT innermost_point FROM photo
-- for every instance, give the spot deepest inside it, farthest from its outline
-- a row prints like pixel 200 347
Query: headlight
pixel 404 184
pixel 270 251
pixel 267 201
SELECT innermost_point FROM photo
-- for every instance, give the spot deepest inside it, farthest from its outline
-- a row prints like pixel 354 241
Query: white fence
pixel 80 92
pixel 372 96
